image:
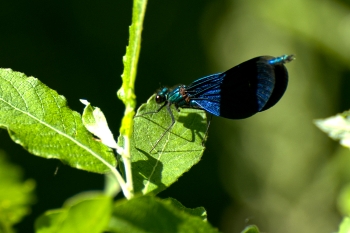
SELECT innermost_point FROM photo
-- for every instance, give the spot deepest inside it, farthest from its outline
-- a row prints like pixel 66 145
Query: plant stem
pixel 126 92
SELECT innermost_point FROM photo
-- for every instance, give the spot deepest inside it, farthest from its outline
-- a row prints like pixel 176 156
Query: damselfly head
pixel 162 95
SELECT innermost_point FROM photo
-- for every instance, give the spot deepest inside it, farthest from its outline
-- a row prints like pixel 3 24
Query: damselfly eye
pixel 160 99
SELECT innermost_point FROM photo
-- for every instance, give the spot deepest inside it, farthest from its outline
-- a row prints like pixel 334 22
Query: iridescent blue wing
pixel 205 93
pixel 242 91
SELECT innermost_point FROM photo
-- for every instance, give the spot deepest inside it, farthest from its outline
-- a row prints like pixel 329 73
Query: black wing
pixel 240 92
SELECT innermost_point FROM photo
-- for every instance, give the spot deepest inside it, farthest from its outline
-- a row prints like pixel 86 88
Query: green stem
pixel 126 92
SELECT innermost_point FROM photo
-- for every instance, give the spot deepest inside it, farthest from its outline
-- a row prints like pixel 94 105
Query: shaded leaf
pixel 151 214
pixel 176 152
pixel 39 119
pixel 199 211
pixel 86 212
pixel 15 195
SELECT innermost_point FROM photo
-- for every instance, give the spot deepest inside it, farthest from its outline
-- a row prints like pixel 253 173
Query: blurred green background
pixel 275 169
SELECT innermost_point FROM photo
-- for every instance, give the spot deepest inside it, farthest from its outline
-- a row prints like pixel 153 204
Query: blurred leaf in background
pixel 345 225
pixel 337 127
pixel 94 206
pixel 16 195
pixel 151 214
pixel 275 164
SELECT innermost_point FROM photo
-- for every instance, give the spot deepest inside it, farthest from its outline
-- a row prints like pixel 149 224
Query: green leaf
pixel 15 195
pixel 95 121
pixel 39 119
pixel 176 152
pixel 199 211
pixel 112 187
pixel 251 229
pixel 343 200
pixel 86 212
pixel 151 214
pixel 337 127
pixel 345 226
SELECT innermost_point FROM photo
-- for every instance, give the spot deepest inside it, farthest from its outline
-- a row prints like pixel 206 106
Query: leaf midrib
pixel 87 149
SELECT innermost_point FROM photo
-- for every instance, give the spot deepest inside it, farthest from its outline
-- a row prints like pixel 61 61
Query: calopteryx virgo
pixel 240 92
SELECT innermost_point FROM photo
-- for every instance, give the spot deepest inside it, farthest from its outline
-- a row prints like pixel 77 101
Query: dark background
pixel 275 169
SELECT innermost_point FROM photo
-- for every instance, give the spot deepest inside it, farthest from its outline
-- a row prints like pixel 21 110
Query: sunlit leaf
pixel 39 119
pixel 150 214
pixel 345 225
pixel 95 121
pixel 15 195
pixel 337 127
pixel 343 201
pixel 86 212
pixel 251 229
pixel 175 153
